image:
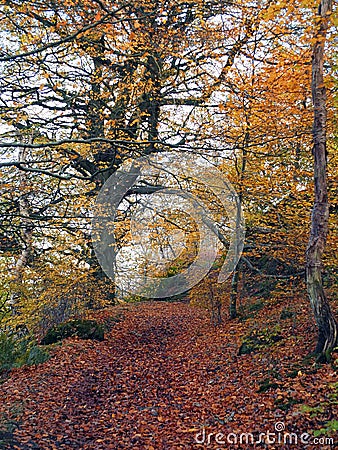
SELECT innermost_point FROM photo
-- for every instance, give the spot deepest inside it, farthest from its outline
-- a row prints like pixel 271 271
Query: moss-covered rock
pixel 83 329
pixel 258 340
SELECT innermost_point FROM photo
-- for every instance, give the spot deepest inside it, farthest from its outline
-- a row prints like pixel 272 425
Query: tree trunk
pixel 234 291
pixel 239 217
pixel 26 232
pixel 215 307
pixel 326 323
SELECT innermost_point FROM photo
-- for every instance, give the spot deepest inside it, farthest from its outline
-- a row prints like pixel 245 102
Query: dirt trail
pixel 161 376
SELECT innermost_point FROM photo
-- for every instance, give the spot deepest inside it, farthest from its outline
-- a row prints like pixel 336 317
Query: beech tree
pixel 97 84
pixel 90 86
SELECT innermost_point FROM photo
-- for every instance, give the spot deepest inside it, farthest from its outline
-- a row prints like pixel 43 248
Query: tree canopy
pixel 89 87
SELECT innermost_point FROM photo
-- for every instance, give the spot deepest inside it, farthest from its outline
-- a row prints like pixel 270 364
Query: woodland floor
pixel 162 374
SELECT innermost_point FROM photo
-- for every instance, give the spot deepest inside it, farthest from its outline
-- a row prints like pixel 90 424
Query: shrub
pixel 16 352
pixel 8 351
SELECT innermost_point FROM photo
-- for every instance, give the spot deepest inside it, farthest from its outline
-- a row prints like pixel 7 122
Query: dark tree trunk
pixel 234 291
pixel 215 307
pixel 326 323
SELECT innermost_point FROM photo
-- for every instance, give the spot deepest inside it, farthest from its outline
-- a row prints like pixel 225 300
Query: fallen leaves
pixel 160 376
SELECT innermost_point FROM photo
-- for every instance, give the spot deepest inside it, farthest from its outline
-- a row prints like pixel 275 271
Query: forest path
pixel 161 375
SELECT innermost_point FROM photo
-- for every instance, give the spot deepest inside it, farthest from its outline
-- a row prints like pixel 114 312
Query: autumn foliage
pixel 89 88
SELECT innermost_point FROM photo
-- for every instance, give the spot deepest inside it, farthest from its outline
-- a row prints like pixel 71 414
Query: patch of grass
pixel 329 427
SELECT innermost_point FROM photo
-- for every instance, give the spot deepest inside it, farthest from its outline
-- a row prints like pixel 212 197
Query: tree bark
pixel 26 232
pixel 215 307
pixel 234 291
pixel 326 323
